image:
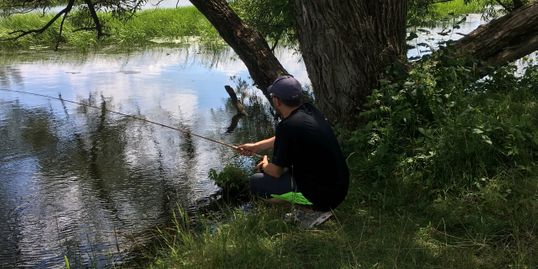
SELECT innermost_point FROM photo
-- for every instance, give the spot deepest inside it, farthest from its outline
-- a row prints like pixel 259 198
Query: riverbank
pixel 177 27
pixel 444 175
pixel 164 26
pixel 448 182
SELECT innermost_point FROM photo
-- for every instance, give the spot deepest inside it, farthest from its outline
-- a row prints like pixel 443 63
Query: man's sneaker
pixel 308 219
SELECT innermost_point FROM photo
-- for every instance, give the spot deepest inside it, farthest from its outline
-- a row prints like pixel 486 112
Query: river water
pixel 88 185
pixel 79 183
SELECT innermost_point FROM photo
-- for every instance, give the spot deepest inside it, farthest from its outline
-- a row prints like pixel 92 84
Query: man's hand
pixel 270 168
pixel 248 149
pixel 263 163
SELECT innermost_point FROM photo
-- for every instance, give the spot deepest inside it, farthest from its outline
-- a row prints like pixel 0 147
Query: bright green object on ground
pixel 293 197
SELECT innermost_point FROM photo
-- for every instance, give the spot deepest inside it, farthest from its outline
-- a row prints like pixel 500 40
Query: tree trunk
pixel 347 46
pixel 502 40
pixel 249 45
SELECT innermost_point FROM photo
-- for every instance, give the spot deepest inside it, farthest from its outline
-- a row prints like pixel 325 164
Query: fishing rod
pixel 136 118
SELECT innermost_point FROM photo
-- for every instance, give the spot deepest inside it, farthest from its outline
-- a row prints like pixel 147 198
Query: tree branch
pixel 98 27
pixel 247 42
pixel 61 30
pixel 158 3
pixel 22 33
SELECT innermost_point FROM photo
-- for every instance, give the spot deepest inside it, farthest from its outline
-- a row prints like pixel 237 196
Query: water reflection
pixel 86 184
pixel 75 188
pixel 8 76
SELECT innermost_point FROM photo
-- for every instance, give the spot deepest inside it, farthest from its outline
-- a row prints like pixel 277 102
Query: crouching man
pixel 307 167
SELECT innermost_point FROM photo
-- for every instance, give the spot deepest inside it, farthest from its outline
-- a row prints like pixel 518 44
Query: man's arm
pixel 270 168
pixel 251 148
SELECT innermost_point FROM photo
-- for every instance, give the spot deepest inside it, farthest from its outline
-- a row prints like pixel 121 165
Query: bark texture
pixel 249 45
pixel 347 46
pixel 502 40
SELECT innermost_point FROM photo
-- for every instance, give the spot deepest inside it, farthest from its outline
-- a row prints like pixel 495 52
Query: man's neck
pixel 286 111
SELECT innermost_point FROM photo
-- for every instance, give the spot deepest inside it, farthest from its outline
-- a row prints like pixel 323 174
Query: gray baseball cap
pixel 286 88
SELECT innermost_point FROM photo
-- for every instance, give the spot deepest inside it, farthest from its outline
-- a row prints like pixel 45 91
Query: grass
pixel 442 12
pixel 178 26
pixel 164 24
pixel 361 236
pixel 458 7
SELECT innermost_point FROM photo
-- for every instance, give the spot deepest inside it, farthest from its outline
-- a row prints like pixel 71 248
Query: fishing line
pixel 134 117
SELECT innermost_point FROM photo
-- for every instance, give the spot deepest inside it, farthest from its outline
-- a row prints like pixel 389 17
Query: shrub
pixel 232 180
pixel 437 131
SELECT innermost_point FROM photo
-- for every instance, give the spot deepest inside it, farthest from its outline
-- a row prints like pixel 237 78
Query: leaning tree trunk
pixel 347 46
pixel 249 45
pixel 501 41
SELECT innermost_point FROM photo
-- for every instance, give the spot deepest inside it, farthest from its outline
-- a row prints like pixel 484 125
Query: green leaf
pixel 66 260
pixel 486 139
pixel 477 131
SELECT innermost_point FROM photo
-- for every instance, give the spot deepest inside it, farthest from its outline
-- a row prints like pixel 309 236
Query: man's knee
pixel 256 183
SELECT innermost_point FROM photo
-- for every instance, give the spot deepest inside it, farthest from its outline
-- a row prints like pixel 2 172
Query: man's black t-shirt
pixel 306 144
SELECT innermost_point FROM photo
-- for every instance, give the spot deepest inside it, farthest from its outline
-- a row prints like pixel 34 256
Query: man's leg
pixel 276 189
pixel 284 191
pixel 263 185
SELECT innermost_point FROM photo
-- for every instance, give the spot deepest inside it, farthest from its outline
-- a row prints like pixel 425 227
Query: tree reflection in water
pixel 79 182
pixel 87 182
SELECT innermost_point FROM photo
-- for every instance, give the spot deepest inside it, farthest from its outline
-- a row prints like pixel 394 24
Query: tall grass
pixel 262 239
pixel 178 25
pixel 362 236
pixel 163 24
pixel 445 11
pixel 458 7
pixel 27 22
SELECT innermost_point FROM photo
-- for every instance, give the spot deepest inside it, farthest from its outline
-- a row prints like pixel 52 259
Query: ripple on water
pixel 90 185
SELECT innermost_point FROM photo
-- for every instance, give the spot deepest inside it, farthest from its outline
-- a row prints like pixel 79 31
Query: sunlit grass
pixel 441 12
pixel 180 25
pixel 458 7
pixel 261 239
pixel 25 22
pixel 164 25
